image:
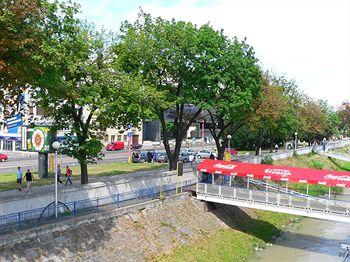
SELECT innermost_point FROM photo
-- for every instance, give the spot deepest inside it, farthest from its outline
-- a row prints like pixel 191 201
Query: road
pixel 30 160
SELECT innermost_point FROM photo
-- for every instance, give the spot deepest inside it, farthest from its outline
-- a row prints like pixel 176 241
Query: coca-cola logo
pixel 338 178
pixel 229 167
pixel 279 172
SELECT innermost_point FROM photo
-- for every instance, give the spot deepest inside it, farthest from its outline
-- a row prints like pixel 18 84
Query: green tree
pixel 232 98
pixel 181 61
pixel 80 87
pixel 20 38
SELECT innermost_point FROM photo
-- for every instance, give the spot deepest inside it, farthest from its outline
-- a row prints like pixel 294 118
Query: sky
pixel 305 40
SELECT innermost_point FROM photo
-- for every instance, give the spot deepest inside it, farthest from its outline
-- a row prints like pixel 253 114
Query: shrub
pixel 316 164
pixel 267 160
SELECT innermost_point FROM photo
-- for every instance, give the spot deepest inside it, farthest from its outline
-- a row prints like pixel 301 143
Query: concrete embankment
pixel 146 231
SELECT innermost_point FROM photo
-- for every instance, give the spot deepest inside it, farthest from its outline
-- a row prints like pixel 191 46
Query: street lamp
pixel 56 145
pixel 229 139
pixel 296 140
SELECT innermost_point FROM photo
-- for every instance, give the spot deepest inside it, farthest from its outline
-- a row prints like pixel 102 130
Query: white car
pixel 205 153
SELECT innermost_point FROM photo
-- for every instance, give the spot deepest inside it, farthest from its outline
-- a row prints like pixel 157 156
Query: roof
pixel 277 173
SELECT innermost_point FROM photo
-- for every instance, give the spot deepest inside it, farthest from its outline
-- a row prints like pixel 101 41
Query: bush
pixel 316 164
pixel 267 160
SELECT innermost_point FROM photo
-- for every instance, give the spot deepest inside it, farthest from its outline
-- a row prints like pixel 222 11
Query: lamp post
pixel 229 140
pixel 56 145
pixel 296 140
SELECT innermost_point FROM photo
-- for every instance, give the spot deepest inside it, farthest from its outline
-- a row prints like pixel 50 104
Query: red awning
pixel 277 173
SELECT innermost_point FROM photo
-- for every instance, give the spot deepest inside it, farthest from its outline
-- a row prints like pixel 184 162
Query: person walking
pixel 19 178
pixel 149 156
pixel 29 178
pixel 68 175
pixel 59 173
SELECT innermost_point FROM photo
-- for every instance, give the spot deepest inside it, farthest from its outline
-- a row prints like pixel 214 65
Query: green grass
pixel 232 244
pixel 8 181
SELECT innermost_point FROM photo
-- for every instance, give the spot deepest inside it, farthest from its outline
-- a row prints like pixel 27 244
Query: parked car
pixel 188 151
pixel 3 157
pixel 100 156
pixel 205 154
pixel 113 146
pixel 184 157
pixel 136 146
pixel 162 157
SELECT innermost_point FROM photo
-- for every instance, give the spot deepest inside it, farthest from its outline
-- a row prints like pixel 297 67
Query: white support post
pixel 56 190
pixel 307 189
pixel 267 185
pixel 278 200
pixel 205 188
pixel 287 187
pixel 308 203
pixel 289 200
pixel 347 209
pixel 230 182
pixel 219 191
pixel 250 195
pixel 212 179
pixel 248 183
pixel 329 192
pixel 197 181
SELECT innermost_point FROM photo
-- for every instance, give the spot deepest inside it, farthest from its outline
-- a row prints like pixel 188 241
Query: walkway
pixel 295 204
pixel 338 156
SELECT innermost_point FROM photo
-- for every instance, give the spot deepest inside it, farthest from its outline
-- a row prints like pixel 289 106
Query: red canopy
pixel 277 173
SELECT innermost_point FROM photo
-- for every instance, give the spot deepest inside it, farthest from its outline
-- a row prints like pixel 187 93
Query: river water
pixel 310 240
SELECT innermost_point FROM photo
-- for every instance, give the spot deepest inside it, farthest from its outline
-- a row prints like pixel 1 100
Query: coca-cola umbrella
pixel 277 173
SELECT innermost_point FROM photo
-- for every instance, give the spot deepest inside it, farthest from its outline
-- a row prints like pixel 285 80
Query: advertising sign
pixel 39 139
pixel 24 138
pixel 14 121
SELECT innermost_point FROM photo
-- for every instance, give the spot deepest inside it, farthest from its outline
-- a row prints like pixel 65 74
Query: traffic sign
pixel 129 126
pixel 129 134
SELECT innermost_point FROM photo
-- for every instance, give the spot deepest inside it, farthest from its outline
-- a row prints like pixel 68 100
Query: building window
pixel 112 138
pixel 125 138
pixel 106 138
pixel 119 138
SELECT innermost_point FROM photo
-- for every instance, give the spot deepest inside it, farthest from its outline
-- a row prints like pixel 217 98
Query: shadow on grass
pixel 342 166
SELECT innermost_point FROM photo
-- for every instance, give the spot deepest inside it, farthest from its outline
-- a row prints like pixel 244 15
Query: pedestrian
pixel 19 178
pixel 59 173
pixel 191 158
pixel 29 179
pixel 212 157
pixel 68 175
pixel 149 156
pixel 276 147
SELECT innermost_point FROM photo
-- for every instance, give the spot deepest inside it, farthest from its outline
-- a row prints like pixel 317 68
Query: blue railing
pixel 39 216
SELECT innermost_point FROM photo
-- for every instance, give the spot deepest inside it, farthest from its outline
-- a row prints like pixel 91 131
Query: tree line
pixel 176 72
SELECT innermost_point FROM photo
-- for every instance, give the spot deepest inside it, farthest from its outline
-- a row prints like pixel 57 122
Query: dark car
pixel 136 146
pixel 184 157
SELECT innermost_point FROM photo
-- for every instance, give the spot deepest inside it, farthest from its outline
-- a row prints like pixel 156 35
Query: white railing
pixel 331 206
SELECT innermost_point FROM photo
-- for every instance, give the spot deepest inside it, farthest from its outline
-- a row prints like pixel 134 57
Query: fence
pixel 46 214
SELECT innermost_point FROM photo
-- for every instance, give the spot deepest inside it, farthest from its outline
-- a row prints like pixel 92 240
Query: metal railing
pixel 43 215
pixel 333 206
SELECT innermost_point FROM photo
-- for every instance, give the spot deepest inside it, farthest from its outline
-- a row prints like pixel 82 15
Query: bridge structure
pixel 265 187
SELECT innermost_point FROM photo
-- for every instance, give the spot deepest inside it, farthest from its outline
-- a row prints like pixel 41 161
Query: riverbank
pixel 256 229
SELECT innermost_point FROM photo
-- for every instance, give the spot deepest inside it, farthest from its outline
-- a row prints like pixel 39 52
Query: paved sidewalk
pixel 14 194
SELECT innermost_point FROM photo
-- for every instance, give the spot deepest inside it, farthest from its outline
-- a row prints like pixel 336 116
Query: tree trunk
pixel 84 173
pixel 272 140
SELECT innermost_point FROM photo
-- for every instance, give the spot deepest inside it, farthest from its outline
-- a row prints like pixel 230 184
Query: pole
pixel 329 192
pixel 56 193
pixel 129 145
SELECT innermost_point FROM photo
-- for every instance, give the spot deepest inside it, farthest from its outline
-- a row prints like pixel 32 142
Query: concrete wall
pixel 92 191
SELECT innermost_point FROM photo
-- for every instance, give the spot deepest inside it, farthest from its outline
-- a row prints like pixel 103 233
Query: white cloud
pixel 306 40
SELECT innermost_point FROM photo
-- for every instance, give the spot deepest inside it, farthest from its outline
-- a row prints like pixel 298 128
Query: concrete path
pixel 338 156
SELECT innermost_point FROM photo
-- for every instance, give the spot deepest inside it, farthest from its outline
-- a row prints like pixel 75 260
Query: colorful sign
pixel 14 121
pixel 39 139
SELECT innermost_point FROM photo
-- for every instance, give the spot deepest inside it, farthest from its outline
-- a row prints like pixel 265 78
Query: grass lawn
pixel 232 244
pixel 8 181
